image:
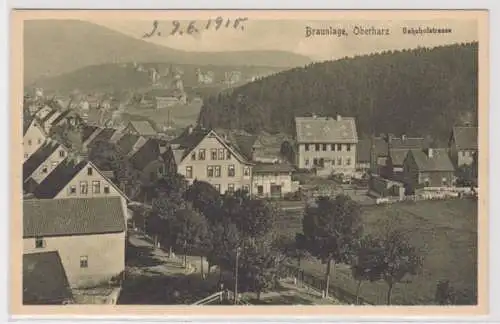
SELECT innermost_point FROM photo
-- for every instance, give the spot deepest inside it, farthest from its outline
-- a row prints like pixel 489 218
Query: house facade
pixel 428 168
pixel 272 180
pixel 326 144
pixel 203 155
pixel 88 234
pixel 463 145
pixel 33 138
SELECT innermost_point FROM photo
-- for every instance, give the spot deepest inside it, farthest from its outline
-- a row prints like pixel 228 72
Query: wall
pixel 200 172
pixel 266 179
pixel 32 141
pixel 465 157
pixel 309 156
pixel 105 252
pixel 435 178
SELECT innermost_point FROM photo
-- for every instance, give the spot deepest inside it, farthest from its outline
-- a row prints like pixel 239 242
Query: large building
pixel 326 144
pixel 88 234
pixel 203 155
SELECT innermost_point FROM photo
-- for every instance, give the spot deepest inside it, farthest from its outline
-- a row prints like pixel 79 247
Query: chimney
pixel 339 118
pixel 430 152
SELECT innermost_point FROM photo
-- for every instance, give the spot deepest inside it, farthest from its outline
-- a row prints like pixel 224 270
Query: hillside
pixel 416 92
pixel 53 47
pixel 121 77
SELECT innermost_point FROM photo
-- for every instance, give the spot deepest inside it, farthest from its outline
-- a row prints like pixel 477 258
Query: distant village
pixel 76 215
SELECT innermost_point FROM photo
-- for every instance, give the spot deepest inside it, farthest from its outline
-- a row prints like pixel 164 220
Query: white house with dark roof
pixel 89 234
pixel 272 180
pixel 463 145
pixel 326 144
pixel 41 163
pixel 33 138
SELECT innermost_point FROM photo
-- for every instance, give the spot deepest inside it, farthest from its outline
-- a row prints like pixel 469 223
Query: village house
pixel 203 155
pixel 463 145
pixel 326 144
pixel 272 180
pixel 88 234
pixel 44 280
pixel 41 163
pixel 146 158
pixel 141 128
pixel 33 138
pixel 430 167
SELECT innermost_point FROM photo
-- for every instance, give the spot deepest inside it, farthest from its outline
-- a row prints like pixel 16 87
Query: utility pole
pixel 236 276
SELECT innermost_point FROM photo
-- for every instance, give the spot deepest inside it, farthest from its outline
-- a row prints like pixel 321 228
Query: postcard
pixel 249 162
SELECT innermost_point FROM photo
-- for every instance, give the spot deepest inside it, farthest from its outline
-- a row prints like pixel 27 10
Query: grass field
pixel 445 233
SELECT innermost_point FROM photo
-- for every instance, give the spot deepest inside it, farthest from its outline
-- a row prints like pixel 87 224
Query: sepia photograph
pixel 249 158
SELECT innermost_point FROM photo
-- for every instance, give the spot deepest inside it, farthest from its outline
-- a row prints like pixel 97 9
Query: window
pixel 201 155
pixel 213 153
pixel 29 142
pixel 84 187
pixel 25 155
pixel 221 154
pixel 324 147
pixel 348 161
pixel 339 147
pixel 54 164
pixel 333 161
pixel 260 190
pixel 230 188
pixel 339 161
pixel 84 261
pixel 228 155
pixel 189 172
pixel 231 171
pixel 72 190
pixel 217 171
pixel 39 141
pixel 307 162
pixel 106 189
pixel 39 243
pixel 45 169
pixel 246 171
pixel 210 171
pixel 96 185
pixel 316 147
pixel 89 171
pixel 315 161
pixel 217 187
pixel 322 162
pixel 193 156
pixel 332 147
pixel 348 147
pixel 306 146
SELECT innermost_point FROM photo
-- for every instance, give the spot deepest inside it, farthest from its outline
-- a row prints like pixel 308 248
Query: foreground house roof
pixel 72 216
pixel 38 157
pixel 326 130
pixel 465 137
pixel 44 279
pixel 439 161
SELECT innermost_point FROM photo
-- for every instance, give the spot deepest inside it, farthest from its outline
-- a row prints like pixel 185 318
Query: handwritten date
pixel 193 27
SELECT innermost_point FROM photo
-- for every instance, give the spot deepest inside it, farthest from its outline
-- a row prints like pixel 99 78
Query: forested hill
pixel 414 92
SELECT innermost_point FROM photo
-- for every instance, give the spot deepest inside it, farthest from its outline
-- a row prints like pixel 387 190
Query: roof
pixel 440 160
pixel 88 130
pixel 408 142
pixel 326 130
pixel 398 156
pixel 363 150
pixel 44 279
pixel 465 137
pixel 381 147
pixel 68 113
pixel 272 168
pixel 72 216
pixel 143 127
pixel 146 154
pixel 38 157
pixel 104 135
pixel 59 178
pixel 126 142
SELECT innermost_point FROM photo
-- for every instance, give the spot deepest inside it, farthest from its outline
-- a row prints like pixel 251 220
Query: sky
pixel 289 35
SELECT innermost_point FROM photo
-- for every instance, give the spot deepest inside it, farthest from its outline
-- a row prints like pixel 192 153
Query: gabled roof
pixel 126 143
pixel 72 216
pixel 245 144
pixel 44 279
pixel 272 168
pixel 326 130
pixel 88 130
pixel 104 135
pixel 398 156
pixel 440 160
pixel 143 127
pixel 38 157
pixel 59 178
pixel 146 154
pixel 68 113
pixel 465 137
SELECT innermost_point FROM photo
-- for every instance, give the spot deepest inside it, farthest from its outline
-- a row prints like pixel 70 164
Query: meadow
pixel 445 234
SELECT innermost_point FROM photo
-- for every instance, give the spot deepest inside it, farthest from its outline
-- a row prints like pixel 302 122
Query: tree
pixel 68 135
pixel 331 230
pixel 225 238
pixel 366 265
pixel 206 199
pixel 400 259
pixel 256 219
